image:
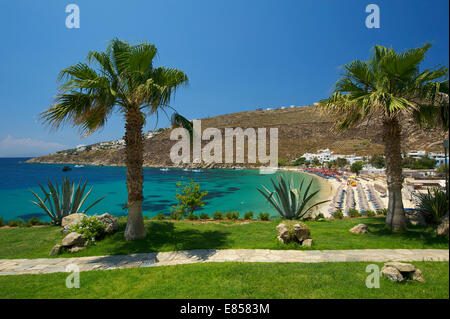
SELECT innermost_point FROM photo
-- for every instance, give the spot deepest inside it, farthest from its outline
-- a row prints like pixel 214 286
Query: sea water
pixel 228 190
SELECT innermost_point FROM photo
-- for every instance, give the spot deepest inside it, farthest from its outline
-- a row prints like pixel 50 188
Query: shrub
pixel 382 212
pixel 433 205
pixel 320 216
pixel 15 223
pixel 283 162
pixel 189 197
pixel 370 213
pixel 62 202
pixel 290 201
pixel 2 222
pixel 204 216
pixel 177 212
pixel 90 227
pixel 192 217
pixel 264 216
pixel 338 214
pixel 354 213
pixel 248 216
pixel 232 215
pixel 160 216
pixel 218 215
pixel 33 221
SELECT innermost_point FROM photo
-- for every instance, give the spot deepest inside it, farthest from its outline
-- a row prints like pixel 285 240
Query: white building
pixel 416 154
pixel 81 148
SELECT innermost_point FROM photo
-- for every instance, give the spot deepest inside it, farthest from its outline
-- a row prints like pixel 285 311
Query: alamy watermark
pixel 373 19
pixel 73 19
pixel 221 149
pixel 73 280
pixel 373 279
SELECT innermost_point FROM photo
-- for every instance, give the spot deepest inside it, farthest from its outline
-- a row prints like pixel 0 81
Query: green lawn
pixel 231 280
pixel 170 236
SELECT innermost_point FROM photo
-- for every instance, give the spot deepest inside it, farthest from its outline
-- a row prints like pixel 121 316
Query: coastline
pixel 327 189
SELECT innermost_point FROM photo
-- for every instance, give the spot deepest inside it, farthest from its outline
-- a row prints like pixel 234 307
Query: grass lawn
pixel 170 236
pixel 231 280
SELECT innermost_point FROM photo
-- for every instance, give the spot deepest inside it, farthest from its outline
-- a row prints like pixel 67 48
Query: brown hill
pixel 300 130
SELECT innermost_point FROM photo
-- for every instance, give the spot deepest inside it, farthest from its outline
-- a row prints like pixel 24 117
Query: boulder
pixel 283 232
pixel 397 271
pixel 392 274
pixel 418 276
pixel 301 231
pixel 55 250
pixel 111 223
pixel 442 229
pixel 72 219
pixel 402 267
pixel 307 242
pixel 415 218
pixel 73 239
pixel 360 229
pixel 76 249
pixel 297 232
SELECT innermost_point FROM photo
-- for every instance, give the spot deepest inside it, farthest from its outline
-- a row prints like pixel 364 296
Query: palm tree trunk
pixel 395 219
pixel 134 160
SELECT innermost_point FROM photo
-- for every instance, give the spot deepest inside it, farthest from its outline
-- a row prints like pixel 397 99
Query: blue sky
pixel 238 54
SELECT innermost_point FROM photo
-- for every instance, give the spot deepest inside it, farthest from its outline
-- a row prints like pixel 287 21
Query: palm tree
pixel 121 79
pixel 388 87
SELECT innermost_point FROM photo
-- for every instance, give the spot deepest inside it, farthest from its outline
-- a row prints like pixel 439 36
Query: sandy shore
pixel 327 189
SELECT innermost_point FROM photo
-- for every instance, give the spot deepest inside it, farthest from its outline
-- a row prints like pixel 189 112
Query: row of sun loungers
pixel 350 199
pixel 374 198
pixel 338 199
pixel 362 199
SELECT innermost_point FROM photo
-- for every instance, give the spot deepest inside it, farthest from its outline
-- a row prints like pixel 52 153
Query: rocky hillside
pixel 300 130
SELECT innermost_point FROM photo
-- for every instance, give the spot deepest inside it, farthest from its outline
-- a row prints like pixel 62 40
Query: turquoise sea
pixel 227 189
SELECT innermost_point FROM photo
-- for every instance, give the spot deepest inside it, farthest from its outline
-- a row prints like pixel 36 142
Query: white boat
pixel 78 166
pixel 186 170
pixel 164 169
pixel 197 170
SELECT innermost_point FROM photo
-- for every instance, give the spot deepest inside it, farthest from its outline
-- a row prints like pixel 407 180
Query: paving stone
pixel 50 265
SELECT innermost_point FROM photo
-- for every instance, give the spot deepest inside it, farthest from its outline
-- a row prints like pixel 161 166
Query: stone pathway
pixel 51 265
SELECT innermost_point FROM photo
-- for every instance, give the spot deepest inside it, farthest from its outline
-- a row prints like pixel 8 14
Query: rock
pixel 301 231
pixel 307 242
pixel 73 239
pixel 360 229
pixel 442 229
pixel 392 274
pixel 76 249
pixel 55 250
pixel 283 232
pixel 415 218
pixel 72 219
pixel 402 267
pixel 111 223
pixel 298 232
pixel 406 271
pixel 418 276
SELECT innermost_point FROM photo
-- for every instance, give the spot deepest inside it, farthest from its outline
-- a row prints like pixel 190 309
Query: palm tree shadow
pixel 414 232
pixel 164 236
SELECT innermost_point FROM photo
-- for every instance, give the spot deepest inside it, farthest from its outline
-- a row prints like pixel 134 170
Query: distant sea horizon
pixel 228 190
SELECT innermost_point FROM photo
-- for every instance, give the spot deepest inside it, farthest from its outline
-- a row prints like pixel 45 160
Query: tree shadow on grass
pixel 164 236
pixel 423 234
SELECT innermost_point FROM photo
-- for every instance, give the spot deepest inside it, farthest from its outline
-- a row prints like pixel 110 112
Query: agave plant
pixel 433 205
pixel 63 201
pixel 289 201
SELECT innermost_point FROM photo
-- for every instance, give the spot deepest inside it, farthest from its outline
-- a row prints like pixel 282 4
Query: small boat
pixel 197 170
pixel 164 169
pixel 78 166
pixel 186 170
pixel 66 169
